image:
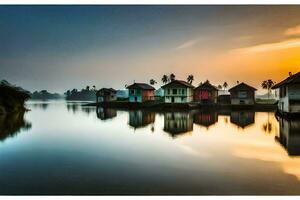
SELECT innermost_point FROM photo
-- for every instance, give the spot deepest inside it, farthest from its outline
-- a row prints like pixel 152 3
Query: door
pixel 135 99
pixel 172 99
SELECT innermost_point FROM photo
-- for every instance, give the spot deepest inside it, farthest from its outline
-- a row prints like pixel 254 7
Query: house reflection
pixel 242 118
pixel 106 113
pixel 177 123
pixel 140 118
pixel 12 124
pixel 206 118
pixel 289 135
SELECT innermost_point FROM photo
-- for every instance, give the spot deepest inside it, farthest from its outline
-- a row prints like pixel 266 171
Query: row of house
pixel 178 91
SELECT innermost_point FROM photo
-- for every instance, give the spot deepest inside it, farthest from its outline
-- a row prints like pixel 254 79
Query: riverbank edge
pixel 182 106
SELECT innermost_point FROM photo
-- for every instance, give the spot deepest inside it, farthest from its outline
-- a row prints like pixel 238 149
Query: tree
pixel 94 87
pixel 190 79
pixel 267 84
pixel 220 87
pixel 164 79
pixel 237 82
pixel 152 82
pixel 225 85
pixel 87 88
pixel 172 77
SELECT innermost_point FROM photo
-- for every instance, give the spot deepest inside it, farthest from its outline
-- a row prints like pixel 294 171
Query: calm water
pixel 63 148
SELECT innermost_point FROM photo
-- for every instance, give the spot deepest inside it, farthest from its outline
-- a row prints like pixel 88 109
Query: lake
pixel 63 148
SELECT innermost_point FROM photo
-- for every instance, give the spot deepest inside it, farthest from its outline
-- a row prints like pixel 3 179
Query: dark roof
pixel 143 86
pixel 292 79
pixel 242 86
pixel 177 83
pixel 206 86
pixel 110 90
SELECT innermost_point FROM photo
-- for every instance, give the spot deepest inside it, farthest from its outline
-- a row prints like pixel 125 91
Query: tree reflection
pixel 12 124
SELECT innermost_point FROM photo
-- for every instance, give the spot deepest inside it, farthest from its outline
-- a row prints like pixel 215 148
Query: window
pixel 182 91
pixel 182 98
pixel 174 91
pixel 242 94
pixel 131 91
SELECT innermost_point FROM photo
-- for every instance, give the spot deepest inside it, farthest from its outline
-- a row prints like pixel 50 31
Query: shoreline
pixel 181 106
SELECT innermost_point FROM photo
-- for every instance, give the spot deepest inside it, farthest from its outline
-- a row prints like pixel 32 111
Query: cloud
pixel 286 44
pixel 187 44
pixel 293 31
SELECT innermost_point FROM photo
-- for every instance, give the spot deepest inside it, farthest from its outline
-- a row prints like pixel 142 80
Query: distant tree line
pixel 45 95
pixel 86 94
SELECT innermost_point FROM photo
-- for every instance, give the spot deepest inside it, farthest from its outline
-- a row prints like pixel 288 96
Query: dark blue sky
pixel 61 47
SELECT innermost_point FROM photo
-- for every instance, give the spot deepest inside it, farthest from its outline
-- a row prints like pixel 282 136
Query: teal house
pixel 140 92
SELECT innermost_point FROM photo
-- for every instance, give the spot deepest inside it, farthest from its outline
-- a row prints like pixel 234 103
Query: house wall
pixel 140 95
pixel 147 95
pixel 247 100
pixel 201 95
pixel 183 95
pixel 136 96
pixel 294 98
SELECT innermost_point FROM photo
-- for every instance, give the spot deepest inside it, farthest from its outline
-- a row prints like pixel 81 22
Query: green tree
pixel 267 84
pixel 172 77
pixel 225 85
pixel 190 79
pixel 152 82
pixel 165 79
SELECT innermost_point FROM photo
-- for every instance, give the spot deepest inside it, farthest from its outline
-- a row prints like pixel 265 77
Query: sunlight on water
pixel 64 148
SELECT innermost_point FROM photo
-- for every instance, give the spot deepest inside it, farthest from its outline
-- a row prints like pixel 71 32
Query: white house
pixel 178 91
pixel 289 94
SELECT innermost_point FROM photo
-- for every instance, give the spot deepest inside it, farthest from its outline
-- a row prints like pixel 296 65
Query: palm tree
pixel 164 79
pixel 237 82
pixel 190 79
pixel 219 87
pixel 225 85
pixel 94 87
pixel 172 77
pixel 152 82
pixel 87 88
pixel 267 84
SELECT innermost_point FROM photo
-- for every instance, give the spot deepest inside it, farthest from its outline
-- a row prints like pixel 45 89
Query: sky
pixel 64 47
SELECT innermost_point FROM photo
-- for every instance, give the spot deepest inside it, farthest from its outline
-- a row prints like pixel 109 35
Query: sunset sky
pixel 64 47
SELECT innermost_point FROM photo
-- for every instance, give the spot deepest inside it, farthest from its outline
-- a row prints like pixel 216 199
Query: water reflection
pixel 106 113
pixel 177 123
pixel 140 118
pixel 77 107
pixel 289 135
pixel 12 124
pixel 206 160
pixel 41 105
pixel 206 118
pixel 242 118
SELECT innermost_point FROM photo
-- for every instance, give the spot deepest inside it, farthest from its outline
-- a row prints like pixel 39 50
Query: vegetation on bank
pixel 86 94
pixel 12 98
pixel 45 95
